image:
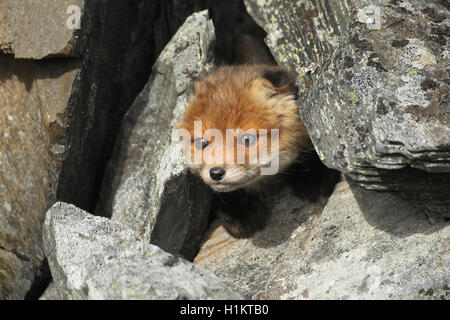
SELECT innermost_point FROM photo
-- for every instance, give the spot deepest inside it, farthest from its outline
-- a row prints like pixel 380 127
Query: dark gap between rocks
pixel 124 40
pixel 41 281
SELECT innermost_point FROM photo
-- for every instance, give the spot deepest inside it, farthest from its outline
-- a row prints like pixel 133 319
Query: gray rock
pixel 96 258
pixel 376 100
pixel 361 245
pixel 17 274
pixel 33 98
pixel 146 185
pixel 54 293
pixel 32 30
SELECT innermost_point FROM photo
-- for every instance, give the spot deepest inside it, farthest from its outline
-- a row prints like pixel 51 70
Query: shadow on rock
pixel 390 213
pixel 288 214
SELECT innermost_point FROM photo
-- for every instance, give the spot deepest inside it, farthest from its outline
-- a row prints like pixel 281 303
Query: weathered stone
pixel 16 275
pixel 146 185
pixel 53 293
pixel 362 245
pixel 33 29
pixel 33 97
pixel 374 81
pixel 96 258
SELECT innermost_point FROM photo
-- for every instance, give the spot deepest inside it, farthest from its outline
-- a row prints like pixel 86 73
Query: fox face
pixel 243 126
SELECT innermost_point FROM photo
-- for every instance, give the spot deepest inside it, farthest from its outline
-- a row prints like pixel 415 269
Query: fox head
pixel 241 121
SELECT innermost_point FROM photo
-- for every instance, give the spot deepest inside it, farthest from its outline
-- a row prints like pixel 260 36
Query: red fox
pixel 258 104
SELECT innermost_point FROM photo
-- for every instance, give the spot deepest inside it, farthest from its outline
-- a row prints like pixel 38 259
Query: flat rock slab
pixel 147 185
pixel 363 245
pixel 96 258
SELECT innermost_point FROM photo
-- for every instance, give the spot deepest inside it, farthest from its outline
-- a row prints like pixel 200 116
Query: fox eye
pixel 200 143
pixel 248 139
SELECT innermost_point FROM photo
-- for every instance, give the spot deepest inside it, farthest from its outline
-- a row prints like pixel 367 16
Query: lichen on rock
pixel 375 94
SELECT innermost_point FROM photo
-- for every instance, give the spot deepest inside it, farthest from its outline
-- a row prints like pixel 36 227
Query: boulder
pixel 374 80
pixel 146 185
pixel 360 244
pixel 96 258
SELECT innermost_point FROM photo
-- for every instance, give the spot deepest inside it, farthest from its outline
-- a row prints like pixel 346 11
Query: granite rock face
pixel 147 186
pixel 96 258
pixel 374 77
pixel 360 244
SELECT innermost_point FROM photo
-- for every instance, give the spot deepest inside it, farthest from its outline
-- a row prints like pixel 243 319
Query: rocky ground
pixel 95 200
pixel 358 244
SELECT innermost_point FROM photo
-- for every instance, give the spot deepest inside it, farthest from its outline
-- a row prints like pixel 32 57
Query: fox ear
pixel 277 78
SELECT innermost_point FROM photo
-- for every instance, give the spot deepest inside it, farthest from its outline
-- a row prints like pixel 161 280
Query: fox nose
pixel 217 173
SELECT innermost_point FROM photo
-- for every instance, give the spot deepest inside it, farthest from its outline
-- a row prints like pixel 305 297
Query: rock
pixel 96 258
pixel 375 89
pixel 245 265
pixel 53 293
pixel 36 31
pixel 146 185
pixel 363 245
pixel 34 97
pixel 125 38
pixel 61 116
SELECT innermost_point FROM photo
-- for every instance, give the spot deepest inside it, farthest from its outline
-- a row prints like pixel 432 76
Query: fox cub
pixel 247 139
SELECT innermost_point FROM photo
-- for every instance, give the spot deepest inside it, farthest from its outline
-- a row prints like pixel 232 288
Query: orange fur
pixel 242 97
